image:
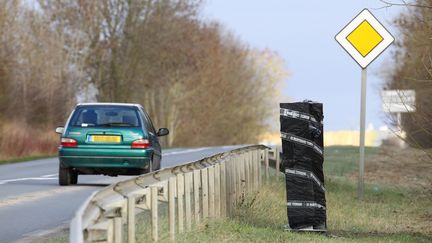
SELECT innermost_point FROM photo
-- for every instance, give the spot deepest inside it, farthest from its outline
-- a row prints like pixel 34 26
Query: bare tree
pixel 192 76
pixel 413 68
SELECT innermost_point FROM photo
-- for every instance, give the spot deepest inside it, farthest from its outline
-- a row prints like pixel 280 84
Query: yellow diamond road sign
pixel 364 38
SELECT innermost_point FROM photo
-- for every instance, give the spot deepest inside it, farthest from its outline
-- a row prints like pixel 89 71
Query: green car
pixel 110 139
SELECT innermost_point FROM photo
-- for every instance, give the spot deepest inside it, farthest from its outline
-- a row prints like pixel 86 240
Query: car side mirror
pixel 59 130
pixel 162 132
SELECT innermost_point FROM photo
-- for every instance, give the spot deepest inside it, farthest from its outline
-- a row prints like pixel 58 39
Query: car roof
pixel 108 104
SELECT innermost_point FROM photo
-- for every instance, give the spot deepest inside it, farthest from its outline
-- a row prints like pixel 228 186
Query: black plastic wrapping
pixel 302 162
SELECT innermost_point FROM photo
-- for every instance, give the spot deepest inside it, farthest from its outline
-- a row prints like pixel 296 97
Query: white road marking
pixel 26 179
pixel 50 175
pixel 185 151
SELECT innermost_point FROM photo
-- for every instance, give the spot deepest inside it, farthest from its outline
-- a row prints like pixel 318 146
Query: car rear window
pixel 105 116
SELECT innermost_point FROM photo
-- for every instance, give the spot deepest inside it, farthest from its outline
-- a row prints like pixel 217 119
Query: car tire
pixel 150 168
pixel 158 164
pixel 74 177
pixel 65 176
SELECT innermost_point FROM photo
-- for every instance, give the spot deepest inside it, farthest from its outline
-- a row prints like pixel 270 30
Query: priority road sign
pixel 364 38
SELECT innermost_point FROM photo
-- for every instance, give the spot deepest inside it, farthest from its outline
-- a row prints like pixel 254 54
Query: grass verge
pixel 27 158
pixel 343 160
pixel 385 215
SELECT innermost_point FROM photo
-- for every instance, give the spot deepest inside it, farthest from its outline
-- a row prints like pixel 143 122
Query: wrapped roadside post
pixel 302 162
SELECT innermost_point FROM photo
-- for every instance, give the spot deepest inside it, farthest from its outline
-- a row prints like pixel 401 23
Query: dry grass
pixel 407 168
pixel 385 215
pixel 21 140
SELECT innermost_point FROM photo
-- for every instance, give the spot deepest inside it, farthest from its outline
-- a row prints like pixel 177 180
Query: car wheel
pixel 150 168
pixel 65 176
pixel 158 164
pixel 74 177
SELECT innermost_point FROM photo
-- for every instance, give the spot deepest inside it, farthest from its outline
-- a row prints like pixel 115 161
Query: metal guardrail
pixel 204 189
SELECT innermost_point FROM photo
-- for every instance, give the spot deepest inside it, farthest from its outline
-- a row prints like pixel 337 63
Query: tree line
pixel 412 68
pixel 192 76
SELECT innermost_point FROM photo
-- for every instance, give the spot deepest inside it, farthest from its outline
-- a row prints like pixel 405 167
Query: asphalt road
pixel 32 203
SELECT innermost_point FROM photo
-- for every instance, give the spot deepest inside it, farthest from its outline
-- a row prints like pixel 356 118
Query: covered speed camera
pixel 302 162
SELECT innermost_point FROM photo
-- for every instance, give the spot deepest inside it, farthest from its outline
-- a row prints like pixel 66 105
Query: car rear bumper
pixel 105 158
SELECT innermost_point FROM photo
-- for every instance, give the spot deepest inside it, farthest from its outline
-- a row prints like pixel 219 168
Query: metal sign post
pixel 364 38
pixel 360 188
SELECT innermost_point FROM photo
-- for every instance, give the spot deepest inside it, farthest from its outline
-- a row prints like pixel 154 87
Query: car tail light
pixel 68 142
pixel 140 144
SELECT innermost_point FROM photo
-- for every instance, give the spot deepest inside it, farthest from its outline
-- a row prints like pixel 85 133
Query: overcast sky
pixel 302 32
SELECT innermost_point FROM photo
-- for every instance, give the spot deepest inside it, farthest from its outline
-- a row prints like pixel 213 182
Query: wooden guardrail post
pixel 131 219
pixel 260 168
pixel 229 186
pixel 223 186
pixel 154 212
pixel 247 171
pixel 196 186
pixel 217 191
pixel 258 162
pixel 242 175
pixel 277 156
pixel 235 182
pixel 171 206
pixel 252 161
pixel 211 191
pixel 205 196
pixel 252 169
pixel 238 178
pixel 188 201
pixel 266 164
pixel 118 228
pixel 180 205
pixel 235 178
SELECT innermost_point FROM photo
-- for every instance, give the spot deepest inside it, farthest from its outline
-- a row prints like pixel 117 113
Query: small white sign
pixel 364 38
pixel 398 101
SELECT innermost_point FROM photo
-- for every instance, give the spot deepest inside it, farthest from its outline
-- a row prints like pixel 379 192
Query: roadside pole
pixel 362 133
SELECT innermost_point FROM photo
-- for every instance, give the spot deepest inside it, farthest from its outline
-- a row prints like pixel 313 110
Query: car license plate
pixel 104 139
